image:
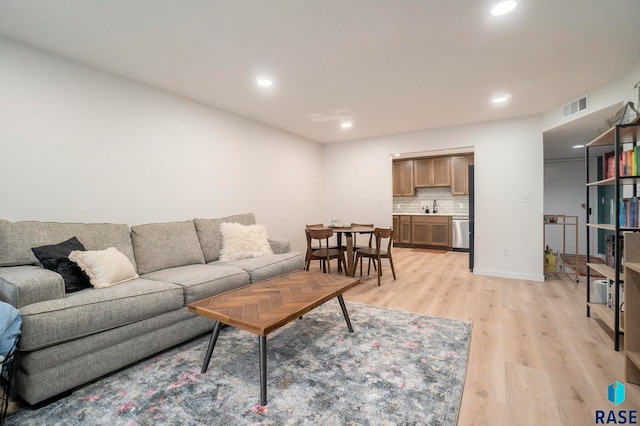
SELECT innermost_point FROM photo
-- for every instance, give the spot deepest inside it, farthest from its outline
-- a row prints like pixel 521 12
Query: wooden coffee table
pixel 265 306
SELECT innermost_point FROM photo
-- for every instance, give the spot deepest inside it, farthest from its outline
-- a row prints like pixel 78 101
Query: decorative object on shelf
pixel 625 115
pixel 601 292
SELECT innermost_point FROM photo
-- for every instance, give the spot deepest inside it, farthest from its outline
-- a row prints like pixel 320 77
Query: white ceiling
pixel 392 66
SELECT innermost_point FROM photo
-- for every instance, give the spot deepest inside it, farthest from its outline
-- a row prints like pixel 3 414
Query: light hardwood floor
pixel 535 358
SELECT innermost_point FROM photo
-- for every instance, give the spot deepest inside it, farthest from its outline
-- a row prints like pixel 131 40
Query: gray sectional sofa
pixel 69 339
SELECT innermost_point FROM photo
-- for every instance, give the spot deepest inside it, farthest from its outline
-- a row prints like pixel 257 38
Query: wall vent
pixel 576 106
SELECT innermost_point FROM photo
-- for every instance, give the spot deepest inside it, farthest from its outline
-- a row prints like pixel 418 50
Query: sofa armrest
pixel 279 246
pixel 23 285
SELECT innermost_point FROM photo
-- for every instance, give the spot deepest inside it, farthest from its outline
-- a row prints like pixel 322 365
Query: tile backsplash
pixel 447 203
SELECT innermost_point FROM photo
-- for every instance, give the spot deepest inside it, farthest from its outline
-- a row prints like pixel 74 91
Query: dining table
pixel 348 232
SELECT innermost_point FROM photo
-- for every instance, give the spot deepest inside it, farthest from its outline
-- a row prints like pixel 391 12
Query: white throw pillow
pixel 104 268
pixel 240 241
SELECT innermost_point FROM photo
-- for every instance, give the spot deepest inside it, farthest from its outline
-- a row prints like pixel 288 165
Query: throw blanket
pixel 10 324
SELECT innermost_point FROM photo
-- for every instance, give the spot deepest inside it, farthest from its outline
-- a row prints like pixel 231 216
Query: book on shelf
pixel 628 162
pixel 611 295
pixel 628 212
pixel 608 165
pixel 610 254
pixel 625 159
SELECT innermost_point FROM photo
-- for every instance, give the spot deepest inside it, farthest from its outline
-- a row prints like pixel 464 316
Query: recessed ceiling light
pixel 579 146
pixel 346 124
pixel 264 82
pixel 500 99
pixel 503 7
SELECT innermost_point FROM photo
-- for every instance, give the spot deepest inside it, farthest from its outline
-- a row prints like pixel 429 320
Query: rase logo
pixel 615 394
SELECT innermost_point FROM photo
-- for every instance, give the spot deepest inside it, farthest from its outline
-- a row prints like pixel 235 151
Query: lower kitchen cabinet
pixel 402 229
pixel 405 230
pixel 431 230
pixel 434 231
pixel 396 229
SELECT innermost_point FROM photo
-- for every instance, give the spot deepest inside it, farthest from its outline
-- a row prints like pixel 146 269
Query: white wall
pixel 79 144
pixel 618 90
pixel 564 193
pixel 508 164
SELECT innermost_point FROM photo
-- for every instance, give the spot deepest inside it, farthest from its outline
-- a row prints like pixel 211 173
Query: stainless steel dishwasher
pixel 460 233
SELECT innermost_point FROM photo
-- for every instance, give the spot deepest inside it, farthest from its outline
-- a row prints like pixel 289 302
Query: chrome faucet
pixel 435 206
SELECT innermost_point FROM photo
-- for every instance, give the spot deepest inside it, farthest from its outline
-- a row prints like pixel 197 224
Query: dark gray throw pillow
pixel 55 257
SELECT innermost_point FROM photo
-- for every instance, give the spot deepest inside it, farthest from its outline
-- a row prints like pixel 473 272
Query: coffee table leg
pixel 262 341
pixel 212 344
pixel 344 312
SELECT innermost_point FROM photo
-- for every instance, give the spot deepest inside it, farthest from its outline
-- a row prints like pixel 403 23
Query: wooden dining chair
pixel 322 251
pixel 377 252
pixel 355 242
pixel 355 236
pixel 332 244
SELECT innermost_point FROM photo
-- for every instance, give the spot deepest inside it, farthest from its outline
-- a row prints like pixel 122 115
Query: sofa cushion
pixel 91 311
pixel 201 281
pixel 279 246
pixel 241 242
pixel 17 238
pixel 210 236
pixel 104 268
pixel 269 266
pixel 35 387
pixel 52 356
pixel 55 257
pixel 27 284
pixel 165 245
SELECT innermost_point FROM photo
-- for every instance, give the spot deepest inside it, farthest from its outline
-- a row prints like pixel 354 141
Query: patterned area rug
pixel 396 368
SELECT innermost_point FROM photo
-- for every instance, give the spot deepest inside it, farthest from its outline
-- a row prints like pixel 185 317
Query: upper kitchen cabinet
pixel 435 171
pixel 403 184
pixel 460 174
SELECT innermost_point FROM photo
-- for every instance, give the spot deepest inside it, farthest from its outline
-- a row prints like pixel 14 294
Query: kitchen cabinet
pixel 431 231
pixel 403 183
pixel 460 174
pixel 396 229
pixel 404 236
pixel 402 229
pixel 422 230
pixel 431 172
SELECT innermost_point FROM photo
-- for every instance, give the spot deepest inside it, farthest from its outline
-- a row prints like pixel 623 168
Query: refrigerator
pixel 471 215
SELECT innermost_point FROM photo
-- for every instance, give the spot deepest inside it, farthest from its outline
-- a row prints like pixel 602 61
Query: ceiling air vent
pixel 576 106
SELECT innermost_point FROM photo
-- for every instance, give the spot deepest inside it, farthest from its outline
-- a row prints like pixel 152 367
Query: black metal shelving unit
pixel 615 137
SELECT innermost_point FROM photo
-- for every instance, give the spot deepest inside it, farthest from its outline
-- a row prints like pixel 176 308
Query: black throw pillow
pixel 55 257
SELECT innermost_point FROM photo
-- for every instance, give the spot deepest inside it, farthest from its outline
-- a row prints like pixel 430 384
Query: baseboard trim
pixel 506 274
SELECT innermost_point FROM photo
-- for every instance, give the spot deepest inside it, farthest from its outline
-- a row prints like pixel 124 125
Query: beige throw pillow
pixel 240 241
pixel 104 268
